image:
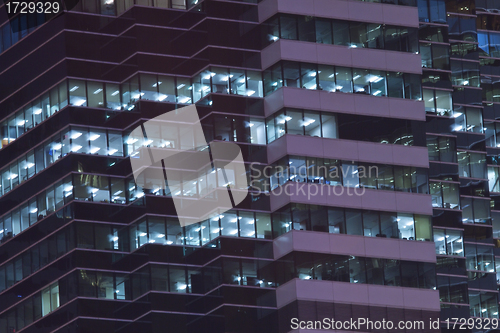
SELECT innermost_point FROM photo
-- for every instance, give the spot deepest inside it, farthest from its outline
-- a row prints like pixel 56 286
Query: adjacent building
pixel 368 133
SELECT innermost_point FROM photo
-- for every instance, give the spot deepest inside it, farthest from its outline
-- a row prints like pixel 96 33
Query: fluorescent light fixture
pixel 21 123
pixel 68 188
pixel 76 148
pixel 75 135
pixel 356 77
pixel 139 195
pixel 131 141
pixel 34 210
pixel 37 111
pixel 94 150
pixel 184 100
pixel 170 242
pixel 80 102
pixel 313 74
pixel 458 128
pixel 162 97
pixel 57 146
pixel 115 93
pixel 74 88
pixel 112 151
pixel 233 232
pixel 250 92
pixel 94 137
pixel 97 91
pixel 457 114
pixel 181 86
pixel 147 142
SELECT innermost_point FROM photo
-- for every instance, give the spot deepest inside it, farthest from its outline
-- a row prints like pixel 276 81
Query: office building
pixel 368 132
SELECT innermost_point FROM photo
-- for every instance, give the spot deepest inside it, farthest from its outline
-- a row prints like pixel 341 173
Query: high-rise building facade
pixel 369 139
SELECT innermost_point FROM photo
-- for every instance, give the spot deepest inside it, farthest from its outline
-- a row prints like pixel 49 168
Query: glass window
pixel 312 124
pixel 306 28
pixel 263 222
pixel 392 272
pixel 272 79
pixel 341 33
pixel 308 76
pixel 166 89
pixel 326 78
pixel 375 38
pixel 95 92
pixel 423 228
pixel 238 82
pixel 361 81
pixel 77 93
pixel 113 96
pixel 107 7
pixel 440 57
pixel 371 227
pixel 412 86
pixel 257 131
pixel 184 91
pixel 229 226
pixel 377 83
pixel 291 74
pixel 254 84
pixel 329 126
pixel 474 120
pixel 395 84
pixel 323 31
pixel 220 80
pixel 288 27
pixel 294 122
pixel 343 79
pixel 63 95
pixel 389 225
pixel 358 34
pixel 177 279
pixel 353 222
pixel 247 224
